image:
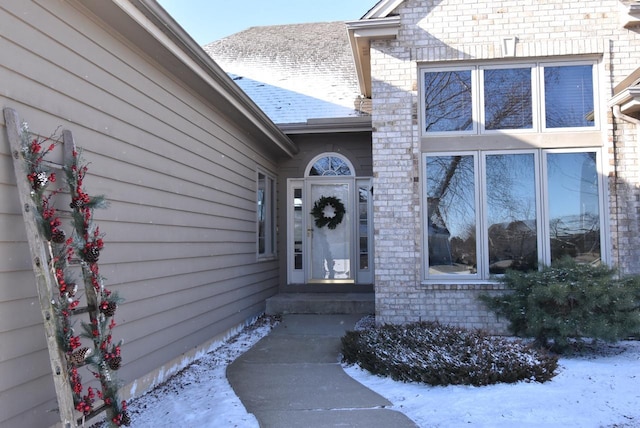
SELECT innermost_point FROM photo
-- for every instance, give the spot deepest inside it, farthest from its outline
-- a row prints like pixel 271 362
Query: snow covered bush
pixel 436 354
pixel 560 305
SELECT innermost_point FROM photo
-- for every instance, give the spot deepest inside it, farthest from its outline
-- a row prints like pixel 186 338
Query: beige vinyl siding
pixel 180 242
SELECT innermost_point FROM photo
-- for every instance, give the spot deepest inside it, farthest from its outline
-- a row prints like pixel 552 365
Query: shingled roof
pixel 293 72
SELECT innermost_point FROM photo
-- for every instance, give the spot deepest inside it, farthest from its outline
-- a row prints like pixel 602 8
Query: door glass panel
pixel 507 98
pixel 574 213
pixel 331 248
pixel 298 231
pixel 363 227
pixel 451 215
pixel 511 212
pixel 447 101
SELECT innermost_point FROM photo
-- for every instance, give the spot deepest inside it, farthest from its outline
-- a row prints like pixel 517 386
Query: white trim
pixel 382 9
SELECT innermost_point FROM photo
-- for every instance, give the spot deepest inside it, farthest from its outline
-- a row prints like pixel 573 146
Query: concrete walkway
pixel 292 378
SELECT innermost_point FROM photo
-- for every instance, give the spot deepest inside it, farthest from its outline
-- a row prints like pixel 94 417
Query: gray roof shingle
pixel 293 72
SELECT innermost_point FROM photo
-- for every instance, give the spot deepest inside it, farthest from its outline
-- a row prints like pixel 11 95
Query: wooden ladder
pixel 46 284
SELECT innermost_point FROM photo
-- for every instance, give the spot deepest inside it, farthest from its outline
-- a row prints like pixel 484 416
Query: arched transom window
pixel 331 164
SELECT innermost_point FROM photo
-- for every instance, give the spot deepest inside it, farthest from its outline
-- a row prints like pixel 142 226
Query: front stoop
pixel 321 303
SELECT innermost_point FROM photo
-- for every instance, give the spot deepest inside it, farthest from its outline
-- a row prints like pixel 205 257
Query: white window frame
pixel 352 171
pixel 474 101
pixel 542 210
pixel 270 231
pixel 537 90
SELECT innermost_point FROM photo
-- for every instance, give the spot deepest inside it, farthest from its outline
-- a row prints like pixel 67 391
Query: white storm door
pixel 331 251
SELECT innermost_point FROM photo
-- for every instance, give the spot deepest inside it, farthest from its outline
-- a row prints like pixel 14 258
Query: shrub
pixel 566 302
pixel 434 354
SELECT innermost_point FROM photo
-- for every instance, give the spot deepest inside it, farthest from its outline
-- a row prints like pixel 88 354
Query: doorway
pixel 332 245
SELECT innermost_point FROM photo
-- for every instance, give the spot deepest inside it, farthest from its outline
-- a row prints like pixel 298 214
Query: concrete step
pixel 321 303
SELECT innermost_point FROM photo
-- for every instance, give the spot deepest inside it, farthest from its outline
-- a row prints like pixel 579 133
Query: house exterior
pixel 185 159
pixel 505 134
pixel 457 138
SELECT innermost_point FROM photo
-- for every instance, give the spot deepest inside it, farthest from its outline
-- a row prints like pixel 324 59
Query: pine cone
pixel 109 309
pixel 91 254
pixel 58 236
pixel 125 420
pixel 77 358
pixel 115 363
pixel 39 181
pixel 76 203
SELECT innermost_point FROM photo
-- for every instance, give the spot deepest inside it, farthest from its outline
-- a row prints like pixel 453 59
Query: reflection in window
pixel 363 226
pixel 568 92
pixel 451 214
pixel 507 98
pixel 574 215
pixel 511 212
pixel 511 189
pixel 298 231
pixel 447 101
pixel 266 215
pixel 330 165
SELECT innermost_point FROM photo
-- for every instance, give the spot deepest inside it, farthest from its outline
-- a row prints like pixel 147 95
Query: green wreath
pixel 324 218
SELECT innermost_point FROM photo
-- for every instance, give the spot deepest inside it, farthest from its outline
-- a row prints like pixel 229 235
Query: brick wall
pixel 454 30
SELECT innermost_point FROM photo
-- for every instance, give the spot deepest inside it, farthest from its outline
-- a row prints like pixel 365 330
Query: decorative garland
pixel 328 211
pixel 85 245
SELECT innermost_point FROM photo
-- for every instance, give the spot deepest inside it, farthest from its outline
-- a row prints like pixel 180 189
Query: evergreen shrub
pixel 562 304
pixel 436 354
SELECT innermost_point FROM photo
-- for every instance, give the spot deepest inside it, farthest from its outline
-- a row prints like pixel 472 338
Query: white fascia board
pixel 329 125
pixel 628 100
pixel 382 9
pixel 375 28
pixel 629 14
pixel 361 33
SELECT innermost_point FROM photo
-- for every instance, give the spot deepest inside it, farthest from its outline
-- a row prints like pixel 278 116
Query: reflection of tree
pixel 507 98
pixel 511 214
pixel 451 210
pixel 330 165
pixel 447 101
pixel 576 236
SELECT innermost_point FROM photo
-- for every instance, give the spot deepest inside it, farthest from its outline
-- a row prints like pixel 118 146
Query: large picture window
pixel 506 97
pixel 487 212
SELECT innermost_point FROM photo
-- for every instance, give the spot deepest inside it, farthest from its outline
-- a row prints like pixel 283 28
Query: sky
pixel 210 20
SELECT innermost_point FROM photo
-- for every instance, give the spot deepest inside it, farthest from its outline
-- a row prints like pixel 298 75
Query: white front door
pixel 330 246
pixel 323 253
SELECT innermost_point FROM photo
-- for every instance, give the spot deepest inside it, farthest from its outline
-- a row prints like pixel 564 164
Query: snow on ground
pixel 601 391
pixel 589 391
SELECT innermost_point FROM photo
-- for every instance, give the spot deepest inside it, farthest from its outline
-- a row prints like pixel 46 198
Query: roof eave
pixel 628 100
pixel 629 14
pixel 361 33
pixel 158 24
pixel 328 125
